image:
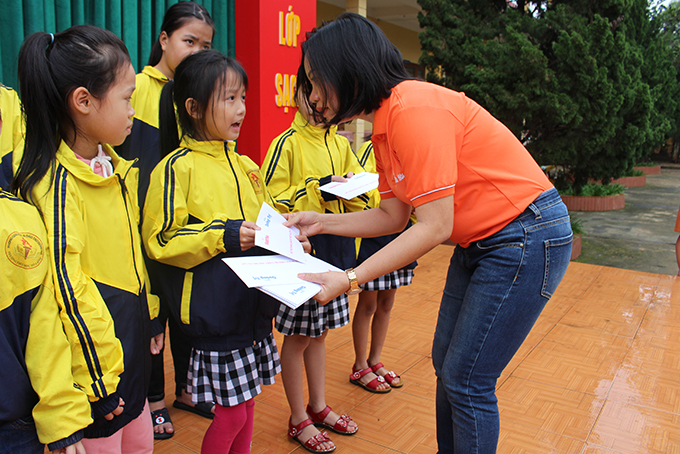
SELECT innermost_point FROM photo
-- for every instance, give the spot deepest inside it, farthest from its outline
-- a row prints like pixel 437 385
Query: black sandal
pixel 160 417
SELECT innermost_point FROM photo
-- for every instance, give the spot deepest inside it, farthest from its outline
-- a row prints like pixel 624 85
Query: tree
pixel 567 77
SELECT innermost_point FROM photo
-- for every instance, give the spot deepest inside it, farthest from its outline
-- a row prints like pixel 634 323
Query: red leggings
pixel 231 431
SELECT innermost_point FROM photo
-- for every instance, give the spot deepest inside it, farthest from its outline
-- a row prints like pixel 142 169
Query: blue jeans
pixel 495 290
pixel 20 437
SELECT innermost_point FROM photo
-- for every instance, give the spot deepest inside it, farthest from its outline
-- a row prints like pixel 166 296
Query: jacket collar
pixel 215 148
pixel 82 171
pixel 310 132
pixel 154 74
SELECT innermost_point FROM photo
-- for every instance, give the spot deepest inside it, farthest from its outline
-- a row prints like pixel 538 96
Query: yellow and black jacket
pixel 143 143
pixel 300 160
pixel 101 282
pixel 12 134
pixel 34 351
pixel 198 197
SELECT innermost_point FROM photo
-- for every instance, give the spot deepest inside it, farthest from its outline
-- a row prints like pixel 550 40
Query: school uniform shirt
pixel 198 197
pixel 12 134
pixel 143 143
pixel 300 160
pixel 431 142
pixel 101 282
pixel 34 352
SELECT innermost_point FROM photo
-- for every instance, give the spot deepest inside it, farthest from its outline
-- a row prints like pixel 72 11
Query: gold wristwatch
pixel 353 283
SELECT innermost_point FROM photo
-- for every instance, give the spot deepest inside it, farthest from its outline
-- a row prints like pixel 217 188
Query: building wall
pixel 405 40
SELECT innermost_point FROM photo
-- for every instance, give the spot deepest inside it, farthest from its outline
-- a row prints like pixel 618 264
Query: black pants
pixel 180 349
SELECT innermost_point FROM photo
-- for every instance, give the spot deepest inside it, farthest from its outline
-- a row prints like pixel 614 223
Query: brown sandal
pixel 341 426
pixel 312 443
pixel 389 376
pixel 372 386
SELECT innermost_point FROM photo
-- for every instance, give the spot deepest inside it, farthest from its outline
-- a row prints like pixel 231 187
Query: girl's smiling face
pixel 224 115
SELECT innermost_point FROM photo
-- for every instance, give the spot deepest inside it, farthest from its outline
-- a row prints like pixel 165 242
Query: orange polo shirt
pixel 677 222
pixel 431 142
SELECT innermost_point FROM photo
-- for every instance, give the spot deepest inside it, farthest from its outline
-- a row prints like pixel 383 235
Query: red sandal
pixel 312 443
pixel 341 426
pixel 389 376
pixel 372 386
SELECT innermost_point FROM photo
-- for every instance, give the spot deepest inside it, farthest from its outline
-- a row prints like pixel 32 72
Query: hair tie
pixel 51 41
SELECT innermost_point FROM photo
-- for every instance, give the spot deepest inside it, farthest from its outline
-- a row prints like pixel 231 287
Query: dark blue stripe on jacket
pixel 66 288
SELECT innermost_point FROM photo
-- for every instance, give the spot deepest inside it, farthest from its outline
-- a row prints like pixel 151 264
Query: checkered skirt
pixel 395 279
pixel 233 377
pixel 311 319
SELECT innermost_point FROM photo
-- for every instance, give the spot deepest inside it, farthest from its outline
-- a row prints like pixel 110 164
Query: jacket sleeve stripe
pixel 275 157
pixel 66 289
pixel 365 156
pixel 169 196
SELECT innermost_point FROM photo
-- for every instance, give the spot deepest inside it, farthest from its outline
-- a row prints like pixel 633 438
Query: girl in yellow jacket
pixel 34 352
pixel 298 162
pixel 12 133
pixel 202 205
pixel 76 87
pixel 375 305
pixel 187 28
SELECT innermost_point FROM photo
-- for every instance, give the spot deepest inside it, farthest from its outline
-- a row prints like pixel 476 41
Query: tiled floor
pixel 599 374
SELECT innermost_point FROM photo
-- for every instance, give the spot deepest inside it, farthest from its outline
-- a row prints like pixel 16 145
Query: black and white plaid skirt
pixel 312 319
pixel 395 279
pixel 231 378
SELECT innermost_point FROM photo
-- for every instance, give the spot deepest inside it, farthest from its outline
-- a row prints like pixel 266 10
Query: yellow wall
pixel 405 40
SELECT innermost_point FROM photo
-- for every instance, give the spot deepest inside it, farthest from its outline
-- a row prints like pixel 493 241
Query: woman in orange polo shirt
pixel 470 180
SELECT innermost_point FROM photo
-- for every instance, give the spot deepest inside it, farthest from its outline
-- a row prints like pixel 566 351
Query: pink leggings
pixel 135 438
pixel 231 431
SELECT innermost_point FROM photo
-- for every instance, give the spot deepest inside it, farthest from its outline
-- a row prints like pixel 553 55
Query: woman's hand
pixel 247 235
pixel 117 411
pixel 333 284
pixel 157 344
pixel 308 222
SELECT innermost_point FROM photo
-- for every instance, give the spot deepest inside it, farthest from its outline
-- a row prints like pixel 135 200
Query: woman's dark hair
pixel 175 17
pixel 198 77
pixel 353 59
pixel 50 68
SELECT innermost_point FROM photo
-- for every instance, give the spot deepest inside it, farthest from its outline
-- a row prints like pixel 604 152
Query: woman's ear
pixel 163 40
pixel 192 108
pixel 80 99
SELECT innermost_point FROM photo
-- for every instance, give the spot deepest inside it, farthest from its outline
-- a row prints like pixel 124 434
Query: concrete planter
pixel 632 182
pixel 598 203
pixel 576 247
pixel 649 170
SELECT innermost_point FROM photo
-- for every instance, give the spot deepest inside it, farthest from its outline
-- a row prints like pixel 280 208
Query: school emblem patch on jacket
pixel 24 249
pixel 255 180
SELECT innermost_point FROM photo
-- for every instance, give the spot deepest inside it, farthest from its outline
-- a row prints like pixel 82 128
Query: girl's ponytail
pixel 42 107
pixel 167 120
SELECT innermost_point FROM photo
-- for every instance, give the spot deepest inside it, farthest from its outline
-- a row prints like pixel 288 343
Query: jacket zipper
pixel 123 189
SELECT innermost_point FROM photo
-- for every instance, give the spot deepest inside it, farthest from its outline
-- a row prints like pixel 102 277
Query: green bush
pixel 595 190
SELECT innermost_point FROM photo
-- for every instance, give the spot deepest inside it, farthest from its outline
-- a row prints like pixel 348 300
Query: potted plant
pixel 594 197
pixel 577 229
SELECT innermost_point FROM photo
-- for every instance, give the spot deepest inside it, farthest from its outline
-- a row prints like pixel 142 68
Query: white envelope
pixel 359 184
pixel 269 270
pixel 275 236
pixel 292 295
